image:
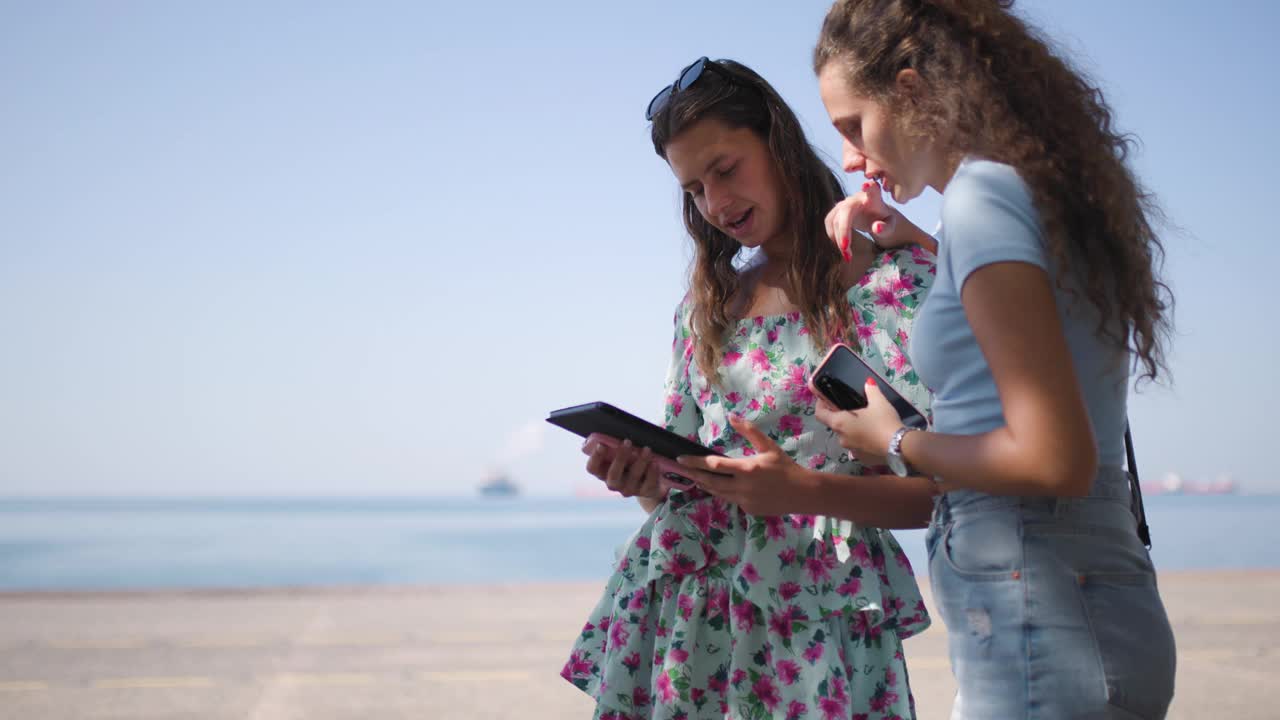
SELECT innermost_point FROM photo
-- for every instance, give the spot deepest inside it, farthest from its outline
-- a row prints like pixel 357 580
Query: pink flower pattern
pixel 759 360
pixel 714 613
pixel 791 425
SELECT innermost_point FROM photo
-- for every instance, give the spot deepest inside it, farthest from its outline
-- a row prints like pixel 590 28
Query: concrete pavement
pixel 470 652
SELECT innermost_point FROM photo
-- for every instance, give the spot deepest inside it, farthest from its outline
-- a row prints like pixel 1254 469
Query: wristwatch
pixel 897 463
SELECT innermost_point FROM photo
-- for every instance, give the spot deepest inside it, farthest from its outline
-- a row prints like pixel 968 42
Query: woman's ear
pixel 910 84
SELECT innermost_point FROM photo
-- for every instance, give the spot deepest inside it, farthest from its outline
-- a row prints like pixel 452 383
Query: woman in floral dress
pixel 793 606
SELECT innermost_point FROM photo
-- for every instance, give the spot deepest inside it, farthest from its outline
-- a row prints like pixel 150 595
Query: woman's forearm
pixel 994 463
pixel 885 501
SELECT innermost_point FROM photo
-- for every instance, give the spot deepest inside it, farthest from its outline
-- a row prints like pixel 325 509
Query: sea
pixel 75 544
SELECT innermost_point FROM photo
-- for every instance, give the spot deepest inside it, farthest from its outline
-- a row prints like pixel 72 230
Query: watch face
pixel 897 463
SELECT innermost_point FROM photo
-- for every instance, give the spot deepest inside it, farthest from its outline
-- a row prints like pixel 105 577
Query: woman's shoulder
pixel 989 216
pixel 894 275
pixel 979 186
pixel 682 316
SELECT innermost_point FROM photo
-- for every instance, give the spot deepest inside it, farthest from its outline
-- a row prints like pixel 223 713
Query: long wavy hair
pixel 995 89
pixel 740 98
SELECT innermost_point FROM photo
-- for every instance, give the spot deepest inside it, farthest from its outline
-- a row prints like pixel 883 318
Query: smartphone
pixel 611 425
pixel 841 376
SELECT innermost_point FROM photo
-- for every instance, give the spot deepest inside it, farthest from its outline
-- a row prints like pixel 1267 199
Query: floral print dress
pixel 713 613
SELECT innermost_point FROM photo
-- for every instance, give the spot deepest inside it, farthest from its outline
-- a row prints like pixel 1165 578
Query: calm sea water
pixel 114 544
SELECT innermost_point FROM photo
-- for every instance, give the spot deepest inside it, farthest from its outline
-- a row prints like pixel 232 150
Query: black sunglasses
pixel 687 77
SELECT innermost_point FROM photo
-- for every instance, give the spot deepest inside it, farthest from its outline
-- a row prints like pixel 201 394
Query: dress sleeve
pixel 916 270
pixel 681 414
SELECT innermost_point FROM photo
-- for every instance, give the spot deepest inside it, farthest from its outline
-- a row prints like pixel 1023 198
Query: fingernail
pixel 847 256
pixel 878 227
pixel 870 382
pixel 867 185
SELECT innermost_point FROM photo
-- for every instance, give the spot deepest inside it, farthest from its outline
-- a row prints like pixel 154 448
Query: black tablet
pixel 603 418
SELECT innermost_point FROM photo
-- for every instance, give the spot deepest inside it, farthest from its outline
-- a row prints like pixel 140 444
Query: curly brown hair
pixel 740 98
pixel 995 89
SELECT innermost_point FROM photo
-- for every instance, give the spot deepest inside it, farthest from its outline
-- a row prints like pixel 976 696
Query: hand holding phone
pixel 840 377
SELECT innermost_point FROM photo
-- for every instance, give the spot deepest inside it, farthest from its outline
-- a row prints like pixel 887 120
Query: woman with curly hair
pixel 1046 295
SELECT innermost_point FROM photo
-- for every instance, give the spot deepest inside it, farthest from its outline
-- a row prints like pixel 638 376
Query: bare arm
pixel 771 483
pixel 1046 446
pixel 884 501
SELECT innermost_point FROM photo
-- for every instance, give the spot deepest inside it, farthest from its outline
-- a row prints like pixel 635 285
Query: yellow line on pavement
pixel 98 644
pixel 351 641
pixel 324 678
pixel 1235 619
pixel 471 638
pixel 153 683
pixel 474 675
pixel 926 662
pixel 19 686
pixel 1219 654
pixel 225 642
pixel 558 637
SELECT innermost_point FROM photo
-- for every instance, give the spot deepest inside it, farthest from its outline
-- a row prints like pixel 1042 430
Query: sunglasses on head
pixel 684 81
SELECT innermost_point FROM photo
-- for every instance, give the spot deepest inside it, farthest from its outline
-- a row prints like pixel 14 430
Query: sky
pixel 362 249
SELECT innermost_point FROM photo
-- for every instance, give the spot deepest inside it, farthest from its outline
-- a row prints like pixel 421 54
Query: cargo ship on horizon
pixel 1173 484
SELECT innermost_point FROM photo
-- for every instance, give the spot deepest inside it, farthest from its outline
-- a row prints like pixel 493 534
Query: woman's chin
pixel 749 241
pixel 780 244
pixel 903 195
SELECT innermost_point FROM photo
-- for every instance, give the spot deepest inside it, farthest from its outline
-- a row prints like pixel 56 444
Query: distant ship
pixel 499 485
pixel 1173 484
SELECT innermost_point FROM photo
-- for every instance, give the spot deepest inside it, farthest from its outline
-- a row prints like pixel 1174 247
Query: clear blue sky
pixel 363 248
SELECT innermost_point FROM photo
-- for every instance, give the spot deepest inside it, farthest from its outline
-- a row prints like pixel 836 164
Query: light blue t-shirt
pixel 988 217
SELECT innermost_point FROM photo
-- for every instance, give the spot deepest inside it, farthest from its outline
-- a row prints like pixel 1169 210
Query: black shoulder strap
pixel 1135 488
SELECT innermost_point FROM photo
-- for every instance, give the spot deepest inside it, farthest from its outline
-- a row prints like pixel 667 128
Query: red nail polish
pixel 878 227
pixel 870 382
pixel 867 185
